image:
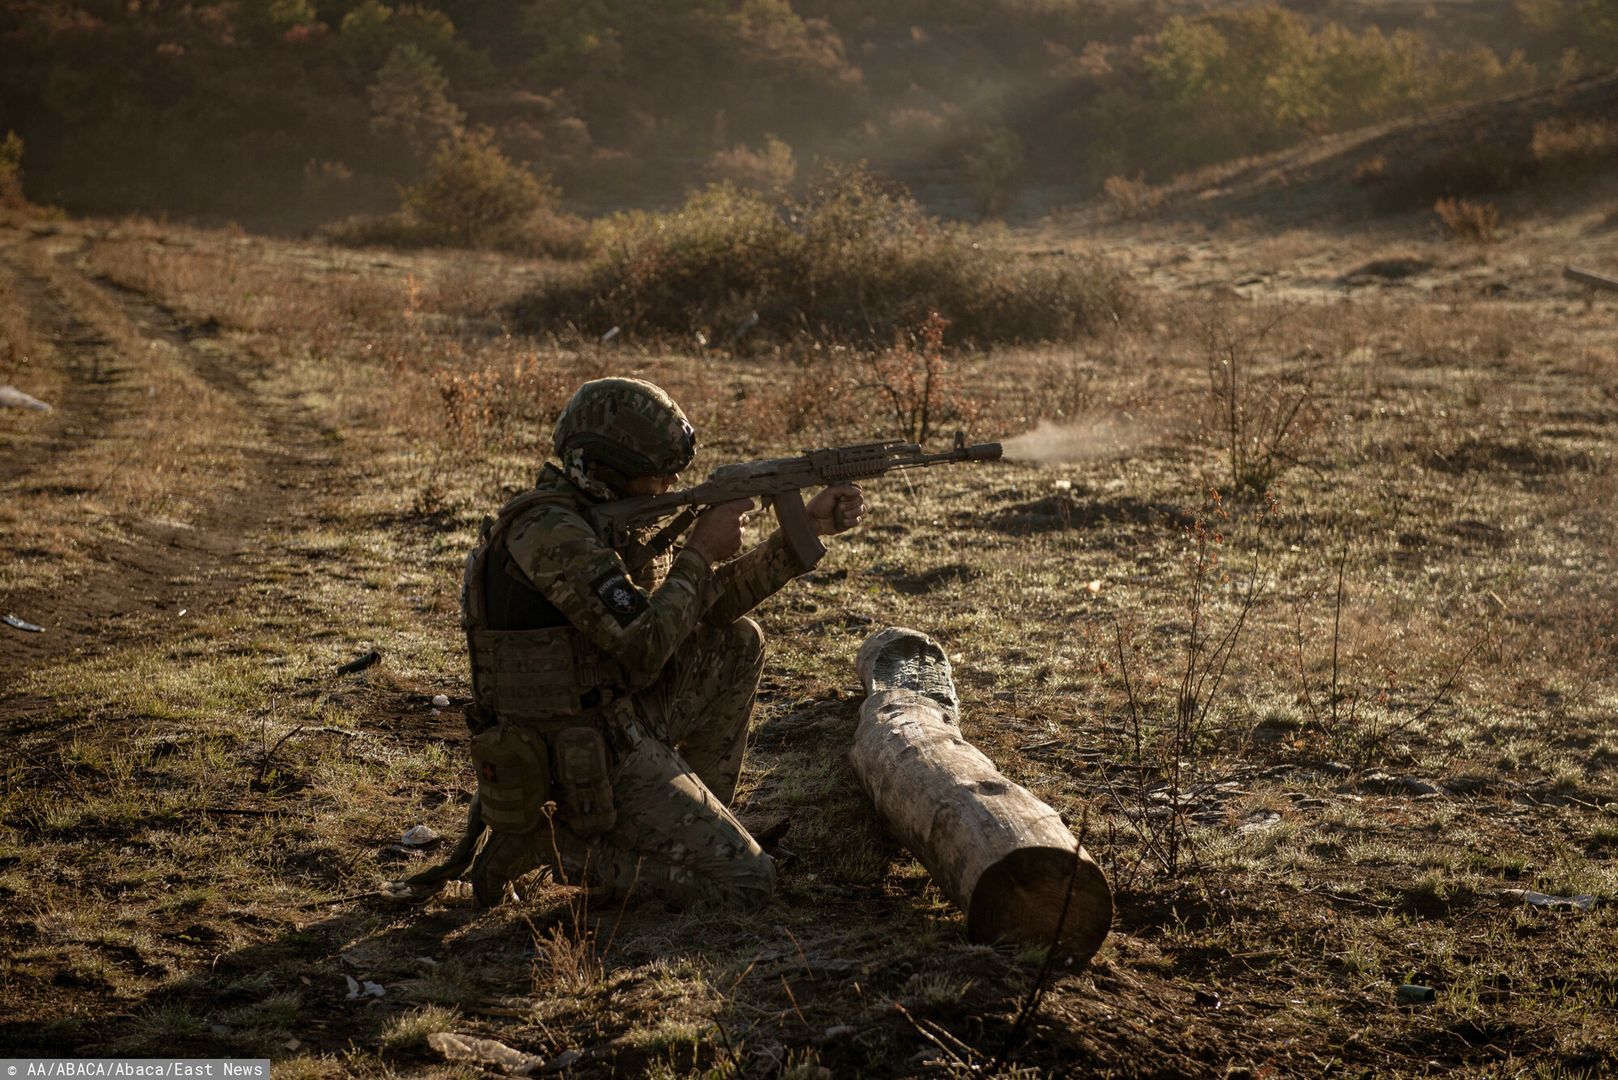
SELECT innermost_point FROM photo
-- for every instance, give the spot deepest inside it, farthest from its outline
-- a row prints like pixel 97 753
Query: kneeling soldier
pixel 624 699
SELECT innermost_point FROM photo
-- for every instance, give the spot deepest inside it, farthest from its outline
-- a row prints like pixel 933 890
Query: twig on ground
pixel 932 1037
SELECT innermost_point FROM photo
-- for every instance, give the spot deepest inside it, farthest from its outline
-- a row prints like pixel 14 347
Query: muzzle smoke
pixel 1055 444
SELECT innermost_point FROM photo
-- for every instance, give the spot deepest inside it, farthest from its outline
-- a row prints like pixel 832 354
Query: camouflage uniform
pixel 665 664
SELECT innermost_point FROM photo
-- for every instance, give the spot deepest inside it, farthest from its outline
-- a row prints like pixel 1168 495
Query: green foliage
pixel 855 260
pixel 263 20
pixel 373 32
pixel 574 37
pixel 1586 30
pixel 1243 81
pixel 473 196
pixel 473 193
pixel 410 98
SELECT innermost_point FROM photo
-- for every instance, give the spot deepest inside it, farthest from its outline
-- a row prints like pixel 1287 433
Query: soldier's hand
pixel 717 534
pixel 836 509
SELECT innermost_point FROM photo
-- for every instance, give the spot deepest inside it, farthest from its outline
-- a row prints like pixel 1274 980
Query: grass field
pixel 1305 616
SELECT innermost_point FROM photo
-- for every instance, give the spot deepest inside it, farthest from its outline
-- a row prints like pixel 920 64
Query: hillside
pixel 291 114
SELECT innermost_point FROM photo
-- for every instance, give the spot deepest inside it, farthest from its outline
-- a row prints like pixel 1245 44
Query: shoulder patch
pixel 618 596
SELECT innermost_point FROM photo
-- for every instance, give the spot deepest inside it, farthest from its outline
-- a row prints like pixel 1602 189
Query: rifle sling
pixel 638 555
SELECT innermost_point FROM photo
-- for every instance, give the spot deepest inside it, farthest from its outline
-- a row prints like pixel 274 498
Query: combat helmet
pixel 627 427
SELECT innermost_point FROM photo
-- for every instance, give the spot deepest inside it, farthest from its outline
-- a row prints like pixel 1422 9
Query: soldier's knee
pixel 747 639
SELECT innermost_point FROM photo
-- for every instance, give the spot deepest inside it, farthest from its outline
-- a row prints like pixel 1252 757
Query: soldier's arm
pixel 587 582
pixel 747 580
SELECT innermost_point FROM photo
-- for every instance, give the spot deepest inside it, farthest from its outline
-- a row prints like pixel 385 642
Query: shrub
pixel 989 165
pixel 473 196
pixel 772 167
pixel 473 193
pixel 1468 220
pixel 1131 198
pixel 914 382
pixel 1572 147
pixel 855 260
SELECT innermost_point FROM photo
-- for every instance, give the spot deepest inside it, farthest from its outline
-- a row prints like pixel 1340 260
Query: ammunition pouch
pixel 514 777
pixel 583 786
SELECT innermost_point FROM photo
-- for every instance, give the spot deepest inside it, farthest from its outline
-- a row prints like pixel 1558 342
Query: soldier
pixel 623 699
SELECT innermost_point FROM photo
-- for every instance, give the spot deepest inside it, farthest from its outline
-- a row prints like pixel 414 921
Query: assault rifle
pixel 778 481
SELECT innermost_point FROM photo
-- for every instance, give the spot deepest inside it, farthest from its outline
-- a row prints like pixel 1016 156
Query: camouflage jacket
pixel 639 622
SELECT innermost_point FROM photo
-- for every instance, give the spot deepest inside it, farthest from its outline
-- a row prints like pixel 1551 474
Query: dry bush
pixel 1131 198
pixel 822 394
pixel 1262 413
pixel 505 404
pixel 855 261
pixel 1477 222
pixel 771 167
pixel 1575 147
pixel 1171 704
pixel 914 381
pixel 1371 171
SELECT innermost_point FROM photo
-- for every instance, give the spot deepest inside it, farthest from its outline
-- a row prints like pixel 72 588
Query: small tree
pixel 410 97
pixel 473 194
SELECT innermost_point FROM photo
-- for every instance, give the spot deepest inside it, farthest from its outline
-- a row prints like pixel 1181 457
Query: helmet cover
pixel 628 425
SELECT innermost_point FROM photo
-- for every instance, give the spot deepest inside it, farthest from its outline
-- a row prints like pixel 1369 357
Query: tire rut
pixel 169 564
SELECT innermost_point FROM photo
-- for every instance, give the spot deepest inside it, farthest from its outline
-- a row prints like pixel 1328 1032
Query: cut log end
pixel 899 658
pixel 1020 898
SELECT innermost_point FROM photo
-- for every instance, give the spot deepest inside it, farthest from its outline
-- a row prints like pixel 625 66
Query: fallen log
pixel 1000 854
pixel 1587 277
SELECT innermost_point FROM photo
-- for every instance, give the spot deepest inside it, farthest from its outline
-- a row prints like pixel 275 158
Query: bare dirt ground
pixel 262 463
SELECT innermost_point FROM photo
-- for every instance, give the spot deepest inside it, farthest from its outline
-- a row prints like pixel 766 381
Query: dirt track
pixel 108 338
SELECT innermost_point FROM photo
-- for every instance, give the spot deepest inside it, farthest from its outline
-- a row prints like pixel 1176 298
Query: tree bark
pixel 1000 854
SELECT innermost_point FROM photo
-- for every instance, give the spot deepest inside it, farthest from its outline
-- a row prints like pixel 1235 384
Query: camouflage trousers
pixel 675 836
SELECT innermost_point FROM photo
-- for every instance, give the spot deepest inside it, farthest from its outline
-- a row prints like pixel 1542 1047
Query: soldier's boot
pixel 503 858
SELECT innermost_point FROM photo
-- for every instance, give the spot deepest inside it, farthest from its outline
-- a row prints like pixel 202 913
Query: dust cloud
pixel 1081 440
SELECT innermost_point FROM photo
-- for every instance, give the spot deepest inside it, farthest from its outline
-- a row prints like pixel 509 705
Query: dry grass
pixel 166 877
